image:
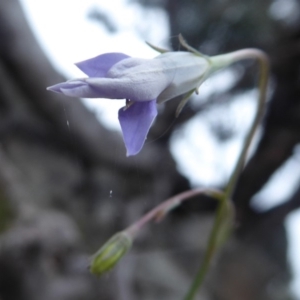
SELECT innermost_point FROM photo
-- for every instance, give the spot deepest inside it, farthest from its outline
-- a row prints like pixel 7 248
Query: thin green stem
pixel 164 208
pixel 263 61
pixel 213 242
pixel 209 252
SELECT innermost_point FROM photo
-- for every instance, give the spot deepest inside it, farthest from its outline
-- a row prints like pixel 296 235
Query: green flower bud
pixel 110 253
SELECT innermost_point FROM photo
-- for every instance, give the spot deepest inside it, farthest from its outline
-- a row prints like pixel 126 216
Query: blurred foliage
pixel 6 212
pixel 104 19
pixel 224 25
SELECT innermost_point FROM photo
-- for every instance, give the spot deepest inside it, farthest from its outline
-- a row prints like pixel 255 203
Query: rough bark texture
pixel 66 185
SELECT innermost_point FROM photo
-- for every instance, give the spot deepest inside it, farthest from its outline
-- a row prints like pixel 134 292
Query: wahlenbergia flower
pixel 142 82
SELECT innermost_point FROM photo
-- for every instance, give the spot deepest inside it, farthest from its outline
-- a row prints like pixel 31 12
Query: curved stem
pixel 263 61
pixel 161 210
pixel 209 252
pixel 217 62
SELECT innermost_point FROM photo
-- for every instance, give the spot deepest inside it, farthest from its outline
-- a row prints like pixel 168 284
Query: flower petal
pixel 119 88
pixel 136 88
pixel 187 71
pixel 135 122
pixel 98 66
pixel 75 88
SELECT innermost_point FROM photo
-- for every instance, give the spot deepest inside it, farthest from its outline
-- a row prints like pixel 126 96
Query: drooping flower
pixel 142 82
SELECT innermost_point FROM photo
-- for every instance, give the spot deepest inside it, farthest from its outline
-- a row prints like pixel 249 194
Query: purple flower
pixel 142 82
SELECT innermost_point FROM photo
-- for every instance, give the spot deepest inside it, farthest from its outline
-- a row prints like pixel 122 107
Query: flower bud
pixel 110 253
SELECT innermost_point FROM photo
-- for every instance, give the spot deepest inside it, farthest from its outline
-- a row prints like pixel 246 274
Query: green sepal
pixel 183 102
pixel 190 48
pixel 158 49
pixel 110 253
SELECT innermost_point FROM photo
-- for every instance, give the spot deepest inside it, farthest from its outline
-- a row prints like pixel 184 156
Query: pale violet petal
pixel 118 88
pixel 136 87
pixel 98 66
pixel 75 88
pixel 56 88
pixel 135 122
pixel 187 71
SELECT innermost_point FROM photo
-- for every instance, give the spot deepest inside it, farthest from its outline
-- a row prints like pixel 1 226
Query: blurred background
pixel 66 184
